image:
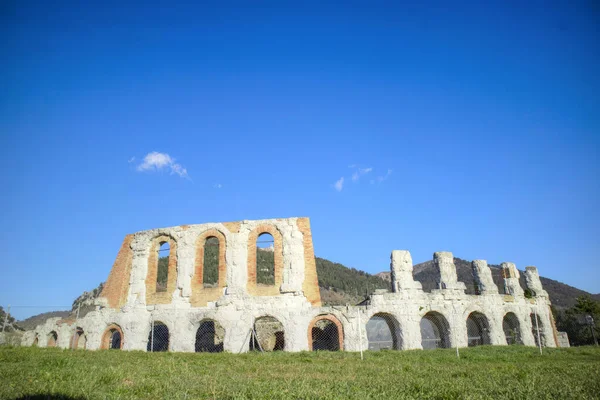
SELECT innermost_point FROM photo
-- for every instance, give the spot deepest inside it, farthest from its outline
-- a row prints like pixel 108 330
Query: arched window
pixel 478 329
pixel 158 337
pixel 269 335
pixel 52 339
pixel 265 259
pixel 209 337
pixel 79 340
pixel 536 330
pixel 210 270
pixel 434 331
pixel 512 329
pixel 36 341
pixel 112 338
pixel 383 332
pixel 162 272
pixel 325 333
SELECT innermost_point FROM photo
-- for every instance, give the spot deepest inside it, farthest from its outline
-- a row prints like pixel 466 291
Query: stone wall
pixel 129 302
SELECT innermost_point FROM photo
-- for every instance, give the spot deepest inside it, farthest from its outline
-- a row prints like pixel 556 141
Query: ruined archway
pixel 434 331
pixel 112 338
pixel 36 341
pixel 512 329
pixel 269 335
pixel 79 339
pixel 325 333
pixel 478 329
pixel 158 337
pixel 209 337
pixel 383 332
pixel 52 339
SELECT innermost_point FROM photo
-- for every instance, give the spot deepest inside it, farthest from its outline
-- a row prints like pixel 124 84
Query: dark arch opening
pixel 478 329
pixel 158 338
pixel 512 329
pixel 115 339
pixel 325 335
pixel 383 332
pixel 209 337
pixel 434 331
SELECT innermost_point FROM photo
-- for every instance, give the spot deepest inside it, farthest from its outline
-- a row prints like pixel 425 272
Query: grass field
pixel 484 372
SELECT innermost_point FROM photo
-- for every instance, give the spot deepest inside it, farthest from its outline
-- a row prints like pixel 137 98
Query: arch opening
pixel 209 337
pixel 79 339
pixel 112 339
pixel 478 329
pixel 52 339
pixel 383 332
pixel 325 333
pixel 36 341
pixel 434 331
pixel 210 268
pixel 158 337
pixel 269 336
pixel 162 270
pixel 265 259
pixel 512 329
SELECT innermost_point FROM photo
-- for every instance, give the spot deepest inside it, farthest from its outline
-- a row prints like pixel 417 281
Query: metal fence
pixel 380 332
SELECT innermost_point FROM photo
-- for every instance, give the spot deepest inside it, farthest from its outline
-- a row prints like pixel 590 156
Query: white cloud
pixel 156 161
pixel 383 178
pixel 360 172
pixel 132 159
pixel 339 184
pixel 217 186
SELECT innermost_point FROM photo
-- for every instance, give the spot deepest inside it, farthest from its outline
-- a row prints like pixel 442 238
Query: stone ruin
pixel 236 313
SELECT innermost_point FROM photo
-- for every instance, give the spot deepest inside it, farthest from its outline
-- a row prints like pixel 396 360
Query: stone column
pixel 401 268
pixel 532 279
pixel 444 261
pixel 511 279
pixel 483 277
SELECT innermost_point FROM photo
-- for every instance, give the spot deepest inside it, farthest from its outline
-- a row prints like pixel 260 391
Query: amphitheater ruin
pixel 234 306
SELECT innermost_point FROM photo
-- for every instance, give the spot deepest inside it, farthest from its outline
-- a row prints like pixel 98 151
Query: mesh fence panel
pixel 434 331
pixel 478 330
pixel 209 337
pixel 383 332
pixel 158 337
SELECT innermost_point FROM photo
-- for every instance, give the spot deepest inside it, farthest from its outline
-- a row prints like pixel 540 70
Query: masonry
pixel 236 304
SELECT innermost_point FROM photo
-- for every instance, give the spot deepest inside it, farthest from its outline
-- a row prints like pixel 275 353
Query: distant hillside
pixel 561 295
pixel 32 322
pixel 340 285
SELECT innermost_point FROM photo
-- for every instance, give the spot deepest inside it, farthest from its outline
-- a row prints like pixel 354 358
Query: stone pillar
pixel 411 331
pixel 444 261
pixel 532 279
pixel 511 279
pixel 497 337
pixel 401 268
pixel 483 277
pixel 458 329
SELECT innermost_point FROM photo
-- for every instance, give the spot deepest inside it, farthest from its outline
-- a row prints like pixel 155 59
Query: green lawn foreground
pixel 504 372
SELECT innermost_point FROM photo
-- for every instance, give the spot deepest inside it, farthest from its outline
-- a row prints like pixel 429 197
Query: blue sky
pixel 472 128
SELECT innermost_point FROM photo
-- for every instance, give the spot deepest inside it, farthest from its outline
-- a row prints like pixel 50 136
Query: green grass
pixel 509 372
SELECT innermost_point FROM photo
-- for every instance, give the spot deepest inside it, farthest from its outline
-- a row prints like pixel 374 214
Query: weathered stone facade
pixel 130 300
